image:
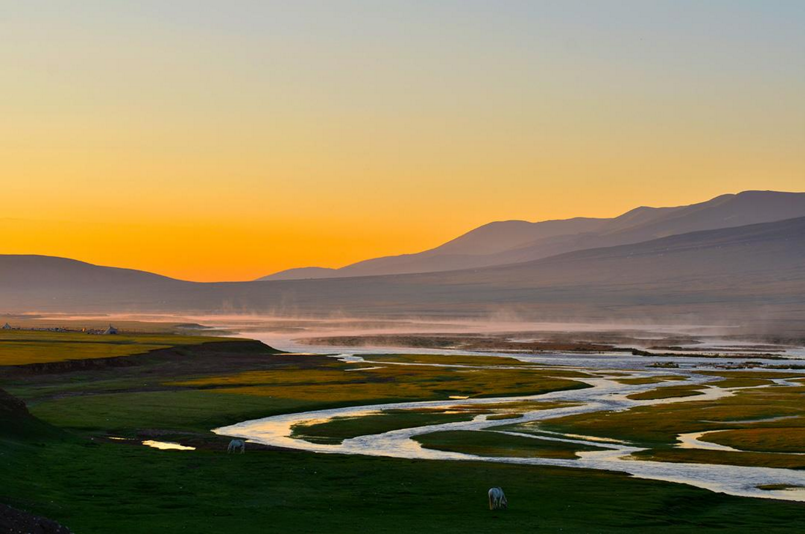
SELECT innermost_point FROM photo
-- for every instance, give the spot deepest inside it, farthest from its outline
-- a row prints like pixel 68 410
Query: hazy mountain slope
pixel 48 271
pixel 499 236
pixel 31 283
pixel 643 224
pixel 751 274
pixel 507 242
pixel 473 249
pixel 637 217
pixel 764 249
pixel 726 211
pixel 302 273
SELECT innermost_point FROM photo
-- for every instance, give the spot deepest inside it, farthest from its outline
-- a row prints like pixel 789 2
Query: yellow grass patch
pixel 22 347
pixel 783 439
pixel 667 393
pixel 388 382
pixel 649 380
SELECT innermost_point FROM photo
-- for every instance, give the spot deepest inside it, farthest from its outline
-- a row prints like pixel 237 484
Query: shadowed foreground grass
pixel 103 488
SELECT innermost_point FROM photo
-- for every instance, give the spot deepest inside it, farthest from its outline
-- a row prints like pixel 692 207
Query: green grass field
pixel 392 382
pixel 496 444
pixel 667 392
pixel 128 489
pixel 63 466
pixel 649 380
pixel 778 439
pixel 24 347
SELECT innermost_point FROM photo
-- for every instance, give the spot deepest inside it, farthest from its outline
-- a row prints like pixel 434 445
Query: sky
pixel 228 140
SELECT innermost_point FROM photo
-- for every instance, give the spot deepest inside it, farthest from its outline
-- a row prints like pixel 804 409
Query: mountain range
pixel 734 260
pixel 501 243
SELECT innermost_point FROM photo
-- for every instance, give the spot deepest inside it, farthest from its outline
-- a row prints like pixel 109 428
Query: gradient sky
pixel 227 140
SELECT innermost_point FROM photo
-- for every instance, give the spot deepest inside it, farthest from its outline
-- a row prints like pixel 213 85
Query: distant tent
pixel 110 331
pixel 6 326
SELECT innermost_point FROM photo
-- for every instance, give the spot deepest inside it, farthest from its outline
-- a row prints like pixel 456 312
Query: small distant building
pixel 7 327
pixel 110 331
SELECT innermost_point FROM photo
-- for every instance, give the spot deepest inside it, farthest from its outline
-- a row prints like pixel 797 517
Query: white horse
pixel 497 499
pixel 236 445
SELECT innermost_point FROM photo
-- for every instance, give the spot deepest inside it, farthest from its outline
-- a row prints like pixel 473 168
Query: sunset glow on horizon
pixel 226 141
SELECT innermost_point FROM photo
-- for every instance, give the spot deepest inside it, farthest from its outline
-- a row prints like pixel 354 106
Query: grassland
pixel 24 347
pixel 341 428
pixel 748 459
pixel 649 380
pixel 505 407
pixel 779 439
pixel 77 323
pixel 483 443
pixel 63 466
pixel 446 359
pixel 668 393
pixel 501 416
pixel 385 383
pixel 128 489
pixel 338 429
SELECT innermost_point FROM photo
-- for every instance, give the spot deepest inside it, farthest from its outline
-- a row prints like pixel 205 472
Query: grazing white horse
pixel 236 445
pixel 497 499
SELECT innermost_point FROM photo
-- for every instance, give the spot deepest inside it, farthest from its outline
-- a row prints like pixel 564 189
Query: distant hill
pixel 502 243
pixel 753 275
pixel 32 282
pixel 48 271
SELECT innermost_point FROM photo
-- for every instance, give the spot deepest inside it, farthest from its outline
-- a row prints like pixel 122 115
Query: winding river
pixel 605 395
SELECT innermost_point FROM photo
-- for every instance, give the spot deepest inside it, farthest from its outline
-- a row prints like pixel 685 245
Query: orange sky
pixel 226 141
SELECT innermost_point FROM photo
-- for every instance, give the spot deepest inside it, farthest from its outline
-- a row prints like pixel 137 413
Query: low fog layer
pixel 751 275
